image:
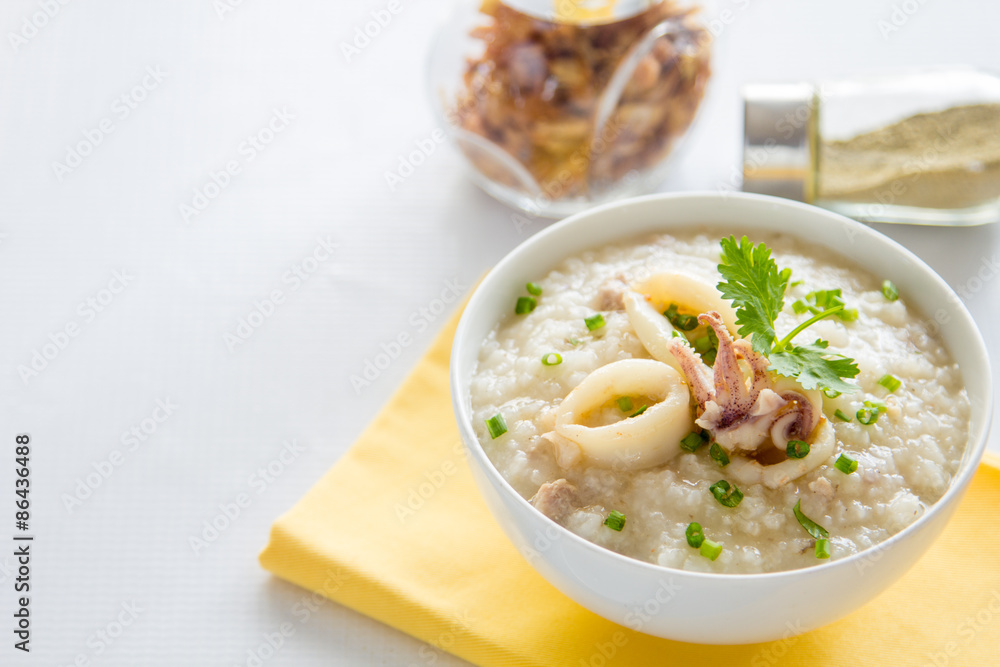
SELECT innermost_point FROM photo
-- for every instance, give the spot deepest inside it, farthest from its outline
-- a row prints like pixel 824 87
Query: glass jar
pixel 562 104
pixel 921 147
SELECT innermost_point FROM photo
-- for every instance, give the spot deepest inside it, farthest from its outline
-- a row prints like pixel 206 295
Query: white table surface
pixel 161 335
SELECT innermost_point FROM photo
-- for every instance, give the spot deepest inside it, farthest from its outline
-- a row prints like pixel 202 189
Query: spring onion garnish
pixel 639 411
pixel 534 289
pixel 889 290
pixel 694 535
pixel 846 464
pixel 797 449
pixel 848 314
pixel 811 527
pixel 625 404
pixel 682 322
pixel 830 393
pixel 867 416
pixel 692 441
pixel 594 322
pixel 728 495
pixel 497 425
pixel 551 359
pixel 823 548
pixel 890 382
pixel 615 520
pixel 525 304
pixel 718 454
pixel 839 414
pixel 710 549
pixel 574 341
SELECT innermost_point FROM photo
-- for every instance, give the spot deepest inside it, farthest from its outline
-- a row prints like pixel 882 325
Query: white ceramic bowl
pixel 691 606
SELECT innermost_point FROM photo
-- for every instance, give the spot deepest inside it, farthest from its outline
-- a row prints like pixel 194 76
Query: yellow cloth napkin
pixel 397 531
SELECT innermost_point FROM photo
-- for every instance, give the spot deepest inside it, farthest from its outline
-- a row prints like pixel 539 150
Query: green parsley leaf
pixel 814 367
pixel 752 281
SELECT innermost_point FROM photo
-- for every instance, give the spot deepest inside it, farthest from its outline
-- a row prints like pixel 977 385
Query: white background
pixel 162 336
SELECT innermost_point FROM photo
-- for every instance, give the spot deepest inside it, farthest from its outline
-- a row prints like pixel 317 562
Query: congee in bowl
pixel 714 403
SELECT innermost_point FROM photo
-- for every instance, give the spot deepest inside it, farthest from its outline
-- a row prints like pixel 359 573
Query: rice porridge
pixel 629 402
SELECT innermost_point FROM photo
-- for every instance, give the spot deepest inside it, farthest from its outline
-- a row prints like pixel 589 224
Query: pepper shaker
pixel 921 147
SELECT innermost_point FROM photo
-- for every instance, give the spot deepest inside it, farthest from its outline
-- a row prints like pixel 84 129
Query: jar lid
pixel 778 140
pixel 592 12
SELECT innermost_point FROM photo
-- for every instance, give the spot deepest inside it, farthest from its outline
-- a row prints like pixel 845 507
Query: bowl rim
pixel 968 465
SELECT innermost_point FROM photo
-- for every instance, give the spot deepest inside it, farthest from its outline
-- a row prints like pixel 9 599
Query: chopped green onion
pixel 594 322
pixel 875 403
pixel 823 548
pixel 624 404
pixel 551 359
pixel 702 344
pixel 682 322
pixel 797 283
pixel 718 454
pixel 497 425
pixel 534 289
pixel 639 411
pixel 830 393
pixel 848 314
pixel 687 322
pixel 799 306
pixel 574 341
pixel 889 290
pixel 710 549
pixel 674 334
pixel 890 382
pixel 846 464
pixel 867 416
pixel 797 449
pixel 811 527
pixel 709 357
pixel 692 441
pixel 839 414
pixel 694 535
pixel 728 495
pixel 615 520
pixel 525 304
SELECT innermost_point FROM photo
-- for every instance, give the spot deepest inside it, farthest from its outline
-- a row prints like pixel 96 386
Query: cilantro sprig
pixel 756 288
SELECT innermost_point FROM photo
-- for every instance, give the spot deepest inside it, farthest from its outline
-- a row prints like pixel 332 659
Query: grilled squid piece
pixel 748 471
pixel 646 301
pixel 649 439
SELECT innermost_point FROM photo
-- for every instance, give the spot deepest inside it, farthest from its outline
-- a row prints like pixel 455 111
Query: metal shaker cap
pixel 779 149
